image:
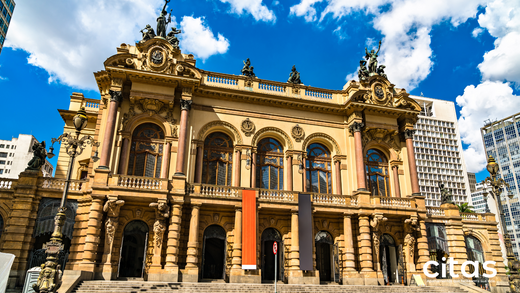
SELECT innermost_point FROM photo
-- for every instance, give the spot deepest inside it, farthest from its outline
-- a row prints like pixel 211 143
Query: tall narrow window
pixel 146 151
pixel 218 159
pixel 377 173
pixel 319 168
pixel 270 164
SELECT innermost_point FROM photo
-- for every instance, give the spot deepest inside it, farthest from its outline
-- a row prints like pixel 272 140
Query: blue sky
pixel 465 51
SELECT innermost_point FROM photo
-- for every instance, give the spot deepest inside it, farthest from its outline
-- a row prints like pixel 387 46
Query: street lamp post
pixel 49 278
pixel 498 185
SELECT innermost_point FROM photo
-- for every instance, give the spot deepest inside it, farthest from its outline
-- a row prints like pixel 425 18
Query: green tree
pixel 465 208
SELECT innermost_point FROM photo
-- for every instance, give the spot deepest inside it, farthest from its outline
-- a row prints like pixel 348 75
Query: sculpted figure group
pixel 162 23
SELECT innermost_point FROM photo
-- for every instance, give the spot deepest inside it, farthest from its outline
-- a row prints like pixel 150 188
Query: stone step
pixel 170 287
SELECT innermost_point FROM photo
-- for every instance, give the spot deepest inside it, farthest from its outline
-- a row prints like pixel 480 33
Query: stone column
pixel 408 135
pixel 337 165
pixel 294 262
pixel 365 244
pixel 237 242
pixel 172 248
pixel 422 247
pixel 238 167
pixel 93 234
pixel 106 149
pixel 192 260
pixel 350 265
pixel 183 132
pixel 123 159
pixel 253 169
pixel 356 128
pixel 289 173
pixel 165 164
pixel 198 167
pixel 395 169
pixel 304 163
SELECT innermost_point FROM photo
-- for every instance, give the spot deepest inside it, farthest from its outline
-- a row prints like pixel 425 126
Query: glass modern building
pixel 501 141
pixel 438 152
pixel 6 12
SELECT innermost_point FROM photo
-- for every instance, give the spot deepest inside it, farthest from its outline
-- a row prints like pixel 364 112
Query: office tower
pixel 6 12
pixel 16 153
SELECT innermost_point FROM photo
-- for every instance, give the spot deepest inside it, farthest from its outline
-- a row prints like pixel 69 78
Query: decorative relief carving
pixel 115 96
pixel 248 127
pixel 112 208
pixel 376 220
pixel 297 133
pixel 384 136
pixel 356 127
pixel 226 125
pixel 408 133
pixel 162 213
pixel 186 104
pixel 152 106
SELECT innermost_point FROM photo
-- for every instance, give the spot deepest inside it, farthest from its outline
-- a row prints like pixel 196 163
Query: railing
pixel 396 202
pixel 432 211
pixel 141 182
pixel 353 201
pixel 316 94
pixel 276 195
pixel 93 106
pixel 471 216
pixel 222 81
pixel 59 184
pixel 325 198
pixel 218 191
pixel 7 183
pixel 271 87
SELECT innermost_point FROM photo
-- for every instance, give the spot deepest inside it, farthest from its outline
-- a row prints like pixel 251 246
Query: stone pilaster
pixel 172 249
pixel 93 234
pixel 236 269
pixel 192 260
pixel 365 244
pixel 422 247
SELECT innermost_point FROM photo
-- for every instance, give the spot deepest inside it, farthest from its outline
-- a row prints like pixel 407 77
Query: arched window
pixel 475 252
pixel 270 164
pixel 146 151
pixel 377 173
pixel 218 159
pixel 319 168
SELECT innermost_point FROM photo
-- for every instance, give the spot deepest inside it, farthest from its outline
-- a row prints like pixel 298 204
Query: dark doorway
pixel 323 242
pixel 388 258
pixel 214 253
pixel 133 250
pixel 270 236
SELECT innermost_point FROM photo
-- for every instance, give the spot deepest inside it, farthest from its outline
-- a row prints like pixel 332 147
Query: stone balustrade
pixel 318 94
pixel 433 211
pixel 221 81
pixel 207 190
pixel 396 202
pixel 7 183
pixel 136 182
pixel 277 195
pixel 59 184
pixel 471 216
pixel 277 89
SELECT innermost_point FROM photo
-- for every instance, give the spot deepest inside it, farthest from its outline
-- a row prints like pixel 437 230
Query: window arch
pixel 270 164
pixel 377 173
pixel 218 159
pixel 318 168
pixel 146 151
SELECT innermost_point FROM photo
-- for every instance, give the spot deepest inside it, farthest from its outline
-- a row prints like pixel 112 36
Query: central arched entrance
pixel 324 243
pixel 133 250
pixel 269 236
pixel 214 253
pixel 388 258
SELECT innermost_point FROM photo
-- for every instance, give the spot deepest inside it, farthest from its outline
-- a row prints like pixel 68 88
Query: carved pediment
pixel 389 137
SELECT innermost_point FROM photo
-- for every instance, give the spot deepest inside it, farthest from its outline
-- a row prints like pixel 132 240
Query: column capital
pixel 196 206
pixel 115 96
pixel 347 215
pixel 408 133
pixel 186 104
pixel 356 126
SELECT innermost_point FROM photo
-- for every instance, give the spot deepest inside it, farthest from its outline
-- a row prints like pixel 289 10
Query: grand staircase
pixel 140 286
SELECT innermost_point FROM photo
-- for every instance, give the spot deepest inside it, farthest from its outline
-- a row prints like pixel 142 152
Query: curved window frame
pixel 270 158
pixel 319 168
pixel 377 173
pixel 146 149
pixel 217 161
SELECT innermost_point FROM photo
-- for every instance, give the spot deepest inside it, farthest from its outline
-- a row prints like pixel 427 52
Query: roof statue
pixel 294 77
pixel 162 22
pixel 148 33
pixel 371 57
pixel 172 38
pixel 247 70
pixel 39 155
pixel 445 194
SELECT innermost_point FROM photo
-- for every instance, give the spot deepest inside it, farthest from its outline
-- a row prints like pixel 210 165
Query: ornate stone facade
pixel 180 145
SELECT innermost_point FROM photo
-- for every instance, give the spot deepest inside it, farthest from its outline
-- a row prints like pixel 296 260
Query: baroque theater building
pixel 201 172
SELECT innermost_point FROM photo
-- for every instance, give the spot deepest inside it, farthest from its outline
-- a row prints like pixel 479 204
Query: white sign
pixel 6 261
pixel 465 264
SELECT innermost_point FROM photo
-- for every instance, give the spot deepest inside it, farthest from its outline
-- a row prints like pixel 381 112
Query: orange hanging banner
pixel 249 230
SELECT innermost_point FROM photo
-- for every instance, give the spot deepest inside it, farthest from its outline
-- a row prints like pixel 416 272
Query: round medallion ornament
pixel 248 127
pixel 157 57
pixel 379 92
pixel 297 133
pixel 379 96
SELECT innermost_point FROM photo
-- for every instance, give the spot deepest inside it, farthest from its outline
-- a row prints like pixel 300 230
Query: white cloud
pixel 476 32
pixel 255 7
pixel 3 78
pixel 502 20
pixel 340 33
pixel 406 27
pixel 197 38
pixel 306 9
pixel 71 39
pixel 489 100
